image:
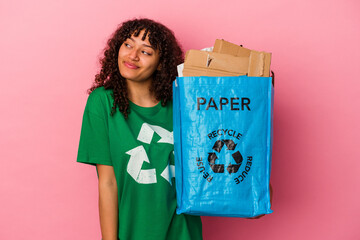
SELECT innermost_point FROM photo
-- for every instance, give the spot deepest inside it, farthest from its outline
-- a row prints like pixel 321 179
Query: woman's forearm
pixel 108 208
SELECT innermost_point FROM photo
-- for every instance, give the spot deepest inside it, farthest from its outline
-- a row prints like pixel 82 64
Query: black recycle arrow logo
pixel 219 168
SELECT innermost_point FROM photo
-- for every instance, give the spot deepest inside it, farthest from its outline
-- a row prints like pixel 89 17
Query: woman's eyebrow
pixel 145 45
pixel 148 46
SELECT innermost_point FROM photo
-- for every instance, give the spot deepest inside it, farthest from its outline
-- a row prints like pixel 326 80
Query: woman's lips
pixel 130 65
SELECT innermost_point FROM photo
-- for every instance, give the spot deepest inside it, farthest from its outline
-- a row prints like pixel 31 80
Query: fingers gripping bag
pixel 223 144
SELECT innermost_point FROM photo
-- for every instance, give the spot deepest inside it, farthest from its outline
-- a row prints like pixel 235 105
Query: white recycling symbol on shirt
pixel 138 156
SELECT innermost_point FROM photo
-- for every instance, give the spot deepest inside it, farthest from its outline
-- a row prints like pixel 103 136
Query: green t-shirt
pixel 140 149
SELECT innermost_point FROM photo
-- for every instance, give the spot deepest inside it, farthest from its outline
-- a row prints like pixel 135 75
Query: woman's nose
pixel 133 55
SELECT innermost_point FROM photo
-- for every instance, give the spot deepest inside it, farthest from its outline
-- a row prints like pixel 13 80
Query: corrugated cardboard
pixel 259 62
pixel 227 59
pixel 202 63
pixel 222 46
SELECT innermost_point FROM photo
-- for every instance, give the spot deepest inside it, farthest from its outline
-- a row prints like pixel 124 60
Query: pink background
pixel 49 52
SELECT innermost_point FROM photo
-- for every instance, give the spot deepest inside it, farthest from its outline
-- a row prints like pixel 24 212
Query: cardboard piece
pixel 259 62
pixel 222 46
pixel 227 59
pixel 202 63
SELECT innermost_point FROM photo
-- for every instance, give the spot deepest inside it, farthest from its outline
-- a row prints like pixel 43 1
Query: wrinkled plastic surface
pixel 223 144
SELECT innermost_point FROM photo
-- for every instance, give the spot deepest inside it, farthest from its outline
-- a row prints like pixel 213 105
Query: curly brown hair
pixel 161 38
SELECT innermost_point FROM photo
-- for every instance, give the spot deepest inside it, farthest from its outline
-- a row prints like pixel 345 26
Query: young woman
pixel 127 133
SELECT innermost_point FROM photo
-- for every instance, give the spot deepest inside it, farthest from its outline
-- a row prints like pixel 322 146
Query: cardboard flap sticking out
pixel 222 46
pixel 204 63
pixel 256 64
pixel 259 62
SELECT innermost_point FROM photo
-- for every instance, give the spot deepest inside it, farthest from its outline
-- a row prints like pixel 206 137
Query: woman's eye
pixel 146 53
pixel 127 45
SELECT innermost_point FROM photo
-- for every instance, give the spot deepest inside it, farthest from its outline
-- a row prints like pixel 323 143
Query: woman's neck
pixel 139 93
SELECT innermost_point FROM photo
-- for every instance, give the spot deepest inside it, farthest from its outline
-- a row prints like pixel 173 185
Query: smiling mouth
pixel 131 66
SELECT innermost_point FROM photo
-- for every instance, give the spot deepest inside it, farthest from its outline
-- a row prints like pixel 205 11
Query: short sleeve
pixel 94 147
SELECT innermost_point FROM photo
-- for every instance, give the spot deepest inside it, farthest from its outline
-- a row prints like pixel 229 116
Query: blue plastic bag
pixel 223 144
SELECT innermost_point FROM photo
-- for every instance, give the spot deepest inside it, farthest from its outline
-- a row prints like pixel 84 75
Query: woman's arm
pixel 108 202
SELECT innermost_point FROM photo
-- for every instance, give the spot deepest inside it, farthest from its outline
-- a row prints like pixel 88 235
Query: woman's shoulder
pixel 101 92
pixel 100 99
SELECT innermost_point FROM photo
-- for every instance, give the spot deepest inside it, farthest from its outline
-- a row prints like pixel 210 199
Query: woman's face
pixel 137 59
